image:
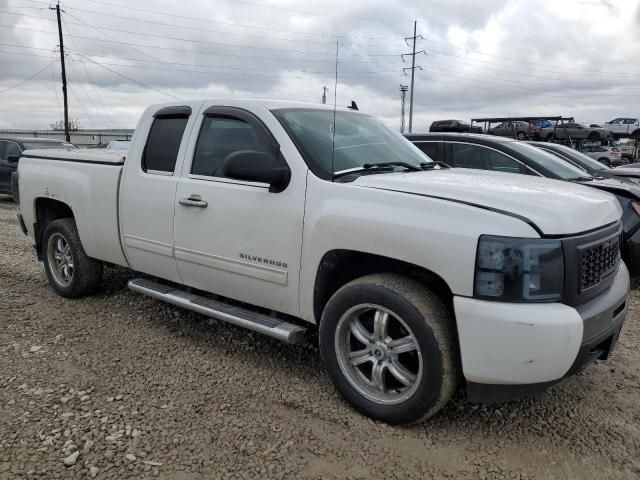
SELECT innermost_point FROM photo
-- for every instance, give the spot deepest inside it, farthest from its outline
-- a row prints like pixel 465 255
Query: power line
pixel 226 67
pixel 128 78
pixel 199 52
pixel 580 73
pixel 262 5
pixel 104 114
pixel 518 60
pixel 26 79
pixel 203 20
pixel 208 30
pixel 23 54
pixel 242 74
pixel 189 40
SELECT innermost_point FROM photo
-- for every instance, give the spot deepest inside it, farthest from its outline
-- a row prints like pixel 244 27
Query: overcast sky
pixel 489 58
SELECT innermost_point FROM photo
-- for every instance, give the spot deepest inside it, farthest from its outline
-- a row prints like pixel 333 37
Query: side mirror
pixel 254 166
pixel 13 158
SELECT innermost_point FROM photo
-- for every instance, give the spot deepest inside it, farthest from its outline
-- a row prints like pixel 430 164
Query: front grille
pixel 598 262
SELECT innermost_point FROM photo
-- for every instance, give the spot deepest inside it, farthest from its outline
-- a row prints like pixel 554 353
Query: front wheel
pixel 521 135
pixel 71 273
pixel 605 161
pixel 389 348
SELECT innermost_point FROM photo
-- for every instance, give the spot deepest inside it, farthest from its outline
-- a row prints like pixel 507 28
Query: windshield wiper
pixel 377 167
pixel 431 165
pixel 406 165
pixel 582 179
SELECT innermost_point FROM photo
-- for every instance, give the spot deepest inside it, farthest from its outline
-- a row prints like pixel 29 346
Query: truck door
pixel 237 238
pixel 148 191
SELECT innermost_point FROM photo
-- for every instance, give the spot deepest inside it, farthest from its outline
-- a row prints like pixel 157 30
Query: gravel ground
pixel 122 386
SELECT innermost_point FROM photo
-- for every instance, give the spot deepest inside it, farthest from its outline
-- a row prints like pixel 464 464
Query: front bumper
pixel 511 351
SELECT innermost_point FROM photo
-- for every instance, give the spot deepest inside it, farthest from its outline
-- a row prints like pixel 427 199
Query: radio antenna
pixel 335 101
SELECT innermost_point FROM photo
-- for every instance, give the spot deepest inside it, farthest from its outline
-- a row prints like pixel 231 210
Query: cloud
pixel 493 57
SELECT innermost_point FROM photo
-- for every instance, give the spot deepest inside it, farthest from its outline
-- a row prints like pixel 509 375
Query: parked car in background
pixel 624 127
pixel 576 131
pixel 459 126
pixel 11 149
pixel 516 129
pixel 609 156
pixel 119 145
pixel 418 277
pixel 542 123
pixel 505 155
pixel 627 150
pixel 588 164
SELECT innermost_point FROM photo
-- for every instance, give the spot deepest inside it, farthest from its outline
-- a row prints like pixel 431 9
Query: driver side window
pixel 220 137
pixel 12 149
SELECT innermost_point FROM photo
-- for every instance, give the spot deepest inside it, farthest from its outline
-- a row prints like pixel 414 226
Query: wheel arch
pixel 46 210
pixel 339 267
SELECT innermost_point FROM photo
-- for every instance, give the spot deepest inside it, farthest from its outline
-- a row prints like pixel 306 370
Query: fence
pixel 81 138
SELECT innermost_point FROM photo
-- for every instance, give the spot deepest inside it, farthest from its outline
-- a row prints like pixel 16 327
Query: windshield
pixel 580 158
pixel 48 146
pixel 549 162
pixel 359 139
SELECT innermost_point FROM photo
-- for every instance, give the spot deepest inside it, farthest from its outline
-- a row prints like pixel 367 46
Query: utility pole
pixel 324 95
pixel 64 75
pixel 413 67
pixel 403 96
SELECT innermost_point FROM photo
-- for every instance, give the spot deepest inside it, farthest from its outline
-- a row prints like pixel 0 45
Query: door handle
pixel 193 201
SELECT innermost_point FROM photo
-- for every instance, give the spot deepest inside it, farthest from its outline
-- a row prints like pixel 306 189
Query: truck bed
pixel 105 157
pixel 89 183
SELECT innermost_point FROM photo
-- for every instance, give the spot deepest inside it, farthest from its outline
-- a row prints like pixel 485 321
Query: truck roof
pixel 269 104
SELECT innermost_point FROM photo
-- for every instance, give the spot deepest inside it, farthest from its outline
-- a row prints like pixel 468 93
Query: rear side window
pixel 481 158
pixel 430 148
pixel 161 152
pixel 220 137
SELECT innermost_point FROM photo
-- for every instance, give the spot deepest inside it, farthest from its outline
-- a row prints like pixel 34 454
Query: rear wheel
pixel 388 346
pixel 71 273
pixel 593 137
pixel 521 135
pixel 605 161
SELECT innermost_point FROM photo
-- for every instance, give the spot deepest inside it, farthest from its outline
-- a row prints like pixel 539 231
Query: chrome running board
pixel 258 322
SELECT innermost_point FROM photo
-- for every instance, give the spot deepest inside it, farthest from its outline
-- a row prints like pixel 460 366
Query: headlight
pixel 519 269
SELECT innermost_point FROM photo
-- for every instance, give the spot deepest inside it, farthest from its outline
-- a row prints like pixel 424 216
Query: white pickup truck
pixel 624 127
pixel 284 216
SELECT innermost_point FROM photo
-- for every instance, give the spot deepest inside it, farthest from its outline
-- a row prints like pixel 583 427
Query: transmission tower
pixel 403 97
pixel 413 67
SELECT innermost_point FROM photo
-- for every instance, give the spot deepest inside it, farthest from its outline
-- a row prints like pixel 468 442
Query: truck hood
pixel 554 207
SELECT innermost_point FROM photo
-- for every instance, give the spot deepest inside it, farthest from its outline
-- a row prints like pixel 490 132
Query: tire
pixel 428 361
pixel 593 137
pixel 71 273
pixel 605 161
pixel 521 135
